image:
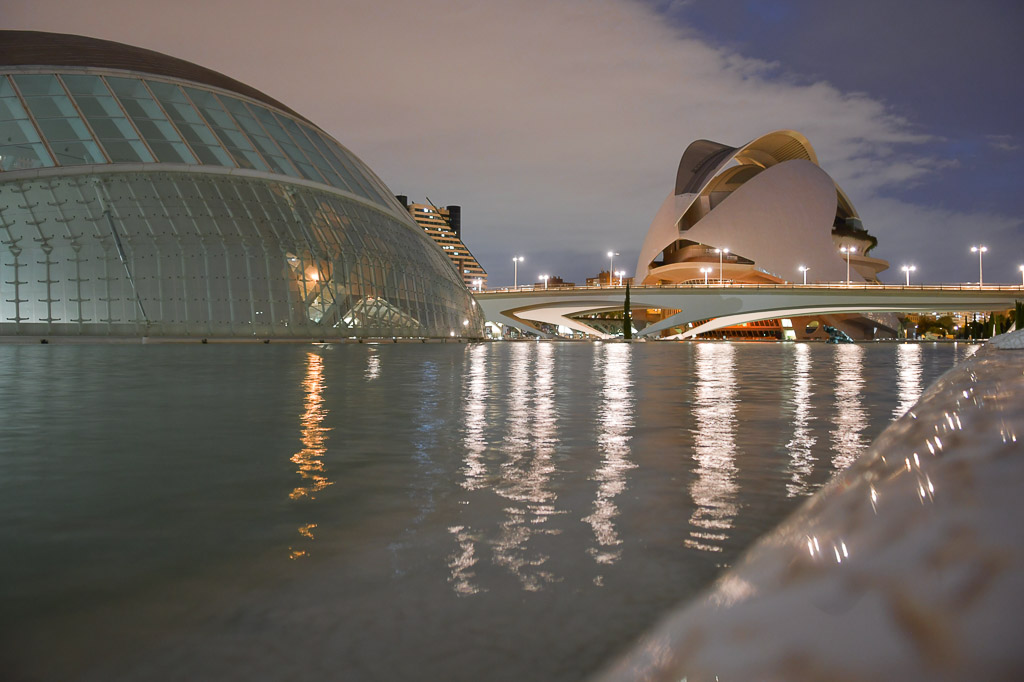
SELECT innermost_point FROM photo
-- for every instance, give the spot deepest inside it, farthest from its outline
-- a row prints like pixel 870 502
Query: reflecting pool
pixel 496 511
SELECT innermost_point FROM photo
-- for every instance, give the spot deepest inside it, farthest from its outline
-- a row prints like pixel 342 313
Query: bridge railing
pixel 533 288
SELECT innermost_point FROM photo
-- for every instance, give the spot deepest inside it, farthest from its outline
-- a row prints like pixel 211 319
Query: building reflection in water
pixel 908 370
pixel 714 490
pixel 615 427
pixel 310 459
pixel 525 474
pixel 475 392
pixel 850 418
pixel 801 447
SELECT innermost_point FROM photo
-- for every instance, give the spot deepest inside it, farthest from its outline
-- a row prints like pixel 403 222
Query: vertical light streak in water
pixel 461 563
pixel 801 461
pixel 314 443
pixel 850 418
pixel 908 369
pixel 526 473
pixel 714 441
pixel 614 431
pixel 372 364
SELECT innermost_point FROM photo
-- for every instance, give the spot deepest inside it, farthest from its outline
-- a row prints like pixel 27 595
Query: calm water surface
pixel 462 512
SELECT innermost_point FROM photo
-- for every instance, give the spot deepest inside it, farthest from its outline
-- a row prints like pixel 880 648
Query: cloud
pixel 557 126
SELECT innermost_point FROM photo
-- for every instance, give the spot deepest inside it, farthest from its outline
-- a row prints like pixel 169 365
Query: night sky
pixel 558 124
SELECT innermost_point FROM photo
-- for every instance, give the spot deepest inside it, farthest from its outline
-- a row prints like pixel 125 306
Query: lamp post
pixel 848 250
pixel 479 282
pixel 1021 268
pixel 979 250
pixel 611 262
pixel 620 274
pixel 804 270
pixel 706 272
pixel 516 260
pixel 721 254
pixel 907 269
pixel 544 278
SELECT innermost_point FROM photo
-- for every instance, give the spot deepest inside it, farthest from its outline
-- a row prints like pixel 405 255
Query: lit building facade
pixel 145 196
pixel 757 213
pixel 444 225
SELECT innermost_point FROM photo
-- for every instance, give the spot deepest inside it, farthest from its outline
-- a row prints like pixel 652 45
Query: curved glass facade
pixel 133 205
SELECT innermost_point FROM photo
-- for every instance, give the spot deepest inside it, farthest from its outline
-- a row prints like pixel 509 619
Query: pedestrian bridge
pixel 730 304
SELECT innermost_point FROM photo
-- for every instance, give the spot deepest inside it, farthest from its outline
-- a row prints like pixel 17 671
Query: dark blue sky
pixel 951 68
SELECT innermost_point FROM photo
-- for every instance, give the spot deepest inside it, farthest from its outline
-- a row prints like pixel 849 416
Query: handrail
pixel 838 286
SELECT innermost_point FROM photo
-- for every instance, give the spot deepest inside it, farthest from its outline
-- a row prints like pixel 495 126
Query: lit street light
pixel 1021 268
pixel 516 260
pixel 544 278
pixel 848 250
pixel 479 282
pixel 804 270
pixel 611 261
pixel 907 269
pixel 721 254
pixel 979 250
pixel 620 274
pixel 706 272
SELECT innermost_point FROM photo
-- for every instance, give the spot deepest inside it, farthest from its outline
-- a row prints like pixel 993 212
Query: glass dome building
pixel 145 196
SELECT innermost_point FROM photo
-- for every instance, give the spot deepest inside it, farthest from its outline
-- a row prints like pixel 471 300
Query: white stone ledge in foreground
pixel 910 565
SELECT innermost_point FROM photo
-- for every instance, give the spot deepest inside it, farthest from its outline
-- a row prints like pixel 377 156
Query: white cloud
pixel 556 125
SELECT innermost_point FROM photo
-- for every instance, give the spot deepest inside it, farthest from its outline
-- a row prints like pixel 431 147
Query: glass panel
pixel 108 122
pixel 318 160
pixel 227 131
pixel 20 146
pixel 271 152
pixel 282 138
pixel 150 121
pixel 24 156
pixel 190 123
pixel 57 118
pixel 17 132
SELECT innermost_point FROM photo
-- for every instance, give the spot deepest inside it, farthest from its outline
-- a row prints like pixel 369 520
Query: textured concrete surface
pixel 910 565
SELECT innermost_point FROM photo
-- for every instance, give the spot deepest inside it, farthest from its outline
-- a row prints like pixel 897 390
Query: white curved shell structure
pixel 754 213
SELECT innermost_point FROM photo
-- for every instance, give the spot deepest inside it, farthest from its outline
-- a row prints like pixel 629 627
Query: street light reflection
pixel 714 491
pixel 801 461
pixel 908 368
pixel 615 424
pixel 850 418
pixel 526 473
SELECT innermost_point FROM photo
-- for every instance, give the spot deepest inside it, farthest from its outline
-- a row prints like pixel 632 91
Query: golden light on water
pixel 314 443
pixel 314 436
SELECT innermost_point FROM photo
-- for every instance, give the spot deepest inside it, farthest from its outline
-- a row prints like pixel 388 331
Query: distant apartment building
pixel 444 225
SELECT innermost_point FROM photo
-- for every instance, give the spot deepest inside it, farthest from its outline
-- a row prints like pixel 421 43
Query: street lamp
pixel 979 250
pixel 479 282
pixel 706 271
pixel 721 254
pixel 544 278
pixel 611 261
pixel 848 250
pixel 1021 268
pixel 804 270
pixel 516 260
pixel 620 274
pixel 907 269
